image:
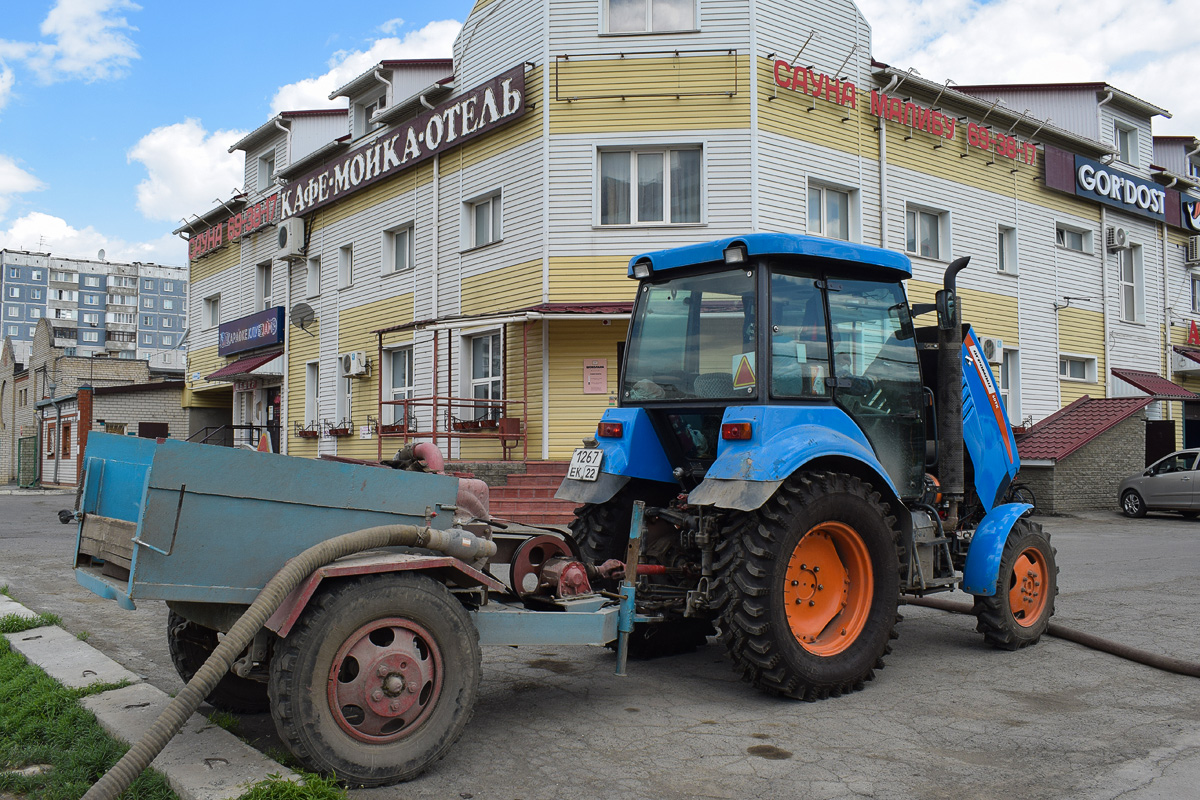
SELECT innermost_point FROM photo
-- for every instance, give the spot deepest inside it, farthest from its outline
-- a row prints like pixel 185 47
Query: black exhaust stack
pixel 949 393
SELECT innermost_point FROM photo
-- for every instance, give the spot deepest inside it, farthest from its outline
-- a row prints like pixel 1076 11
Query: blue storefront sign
pixel 1119 189
pixel 256 330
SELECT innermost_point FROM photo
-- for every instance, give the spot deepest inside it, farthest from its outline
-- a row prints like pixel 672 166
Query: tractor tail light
pixel 737 431
pixel 611 430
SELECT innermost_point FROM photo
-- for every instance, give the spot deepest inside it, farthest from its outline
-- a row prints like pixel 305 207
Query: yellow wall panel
pixel 788 112
pixel 1081 332
pixel 987 313
pixel 526 129
pixel 584 278
pixel 206 361
pixel 214 263
pixel 573 414
pixel 503 289
pixel 406 181
pixel 301 349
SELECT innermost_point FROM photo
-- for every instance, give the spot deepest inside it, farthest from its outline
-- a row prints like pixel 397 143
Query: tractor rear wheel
pixel 190 646
pixel 812 583
pixel 602 532
pixel 377 680
pixel 1019 612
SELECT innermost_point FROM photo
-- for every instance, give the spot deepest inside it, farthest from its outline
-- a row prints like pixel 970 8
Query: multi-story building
pixel 96 308
pixel 452 260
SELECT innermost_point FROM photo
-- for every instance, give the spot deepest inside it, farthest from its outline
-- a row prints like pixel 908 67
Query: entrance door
pixel 1191 424
pixel 1160 438
pixel 272 396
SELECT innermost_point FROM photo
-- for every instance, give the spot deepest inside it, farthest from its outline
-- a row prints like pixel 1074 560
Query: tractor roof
pixel 852 256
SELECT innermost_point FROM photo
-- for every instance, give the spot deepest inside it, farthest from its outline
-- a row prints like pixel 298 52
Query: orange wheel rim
pixel 1027 595
pixel 828 588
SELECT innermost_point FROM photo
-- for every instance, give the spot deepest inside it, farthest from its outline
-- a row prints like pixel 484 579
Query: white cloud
pixel 392 25
pixel 49 234
pixel 188 167
pixel 435 40
pixel 85 39
pixel 1146 48
pixel 14 181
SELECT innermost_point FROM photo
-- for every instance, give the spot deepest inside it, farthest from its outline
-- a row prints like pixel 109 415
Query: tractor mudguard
pixel 636 454
pixel 782 440
pixel 987 435
pixel 982 571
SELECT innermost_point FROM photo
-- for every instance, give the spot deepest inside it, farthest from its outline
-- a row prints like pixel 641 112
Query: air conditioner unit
pixel 291 238
pixel 993 348
pixel 1118 238
pixel 352 365
pixel 1193 251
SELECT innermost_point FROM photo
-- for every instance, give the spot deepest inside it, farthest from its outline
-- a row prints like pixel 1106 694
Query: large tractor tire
pixel 190 646
pixel 1019 612
pixel 602 532
pixel 812 582
pixel 377 680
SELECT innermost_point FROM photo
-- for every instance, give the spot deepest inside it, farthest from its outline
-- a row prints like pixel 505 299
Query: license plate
pixel 585 464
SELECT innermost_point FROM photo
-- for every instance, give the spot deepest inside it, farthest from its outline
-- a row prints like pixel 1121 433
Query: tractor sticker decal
pixel 985 377
pixel 743 370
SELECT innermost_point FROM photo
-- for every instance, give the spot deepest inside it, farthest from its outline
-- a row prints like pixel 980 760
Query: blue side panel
pixel 982 570
pixel 120 464
pixel 784 438
pixel 987 434
pixel 638 453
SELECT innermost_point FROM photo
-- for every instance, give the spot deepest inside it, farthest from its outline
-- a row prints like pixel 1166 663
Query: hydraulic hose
pixel 1165 663
pixel 458 543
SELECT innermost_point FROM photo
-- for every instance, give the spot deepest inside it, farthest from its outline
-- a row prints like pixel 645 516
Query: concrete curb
pixel 202 762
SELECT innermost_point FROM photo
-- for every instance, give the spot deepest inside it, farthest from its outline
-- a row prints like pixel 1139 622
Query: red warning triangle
pixel 743 376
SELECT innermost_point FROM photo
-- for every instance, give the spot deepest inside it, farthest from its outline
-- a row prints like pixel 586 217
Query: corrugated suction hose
pixel 1165 663
pixel 458 543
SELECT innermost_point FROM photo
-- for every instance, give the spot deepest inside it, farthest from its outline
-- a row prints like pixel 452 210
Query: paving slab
pixel 9 606
pixel 68 660
pixel 202 762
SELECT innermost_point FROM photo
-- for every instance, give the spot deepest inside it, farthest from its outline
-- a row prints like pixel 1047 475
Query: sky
pixel 116 117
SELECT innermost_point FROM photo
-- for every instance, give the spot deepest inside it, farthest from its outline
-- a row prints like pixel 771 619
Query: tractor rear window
pixel 693 337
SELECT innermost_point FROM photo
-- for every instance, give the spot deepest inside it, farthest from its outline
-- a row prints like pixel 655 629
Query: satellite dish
pixel 100 255
pixel 301 315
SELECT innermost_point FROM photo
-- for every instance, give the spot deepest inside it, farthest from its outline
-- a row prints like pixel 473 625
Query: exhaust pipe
pixel 949 395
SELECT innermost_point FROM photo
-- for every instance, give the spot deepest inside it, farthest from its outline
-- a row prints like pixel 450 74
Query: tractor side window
pixel 693 337
pixel 799 349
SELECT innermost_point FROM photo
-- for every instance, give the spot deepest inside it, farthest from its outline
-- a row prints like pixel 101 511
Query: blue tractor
pixel 806 455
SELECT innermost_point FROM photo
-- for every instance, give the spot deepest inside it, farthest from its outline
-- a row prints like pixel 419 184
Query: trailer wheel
pixel 602 532
pixel 812 583
pixel 1019 612
pixel 190 646
pixel 377 680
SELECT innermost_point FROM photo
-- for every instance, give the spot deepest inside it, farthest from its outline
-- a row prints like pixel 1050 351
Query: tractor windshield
pixel 693 337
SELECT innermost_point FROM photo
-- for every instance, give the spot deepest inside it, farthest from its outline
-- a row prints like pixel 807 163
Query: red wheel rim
pixel 1027 595
pixel 385 680
pixel 828 588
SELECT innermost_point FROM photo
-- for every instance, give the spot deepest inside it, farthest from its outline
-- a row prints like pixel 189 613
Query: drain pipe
pixel 454 542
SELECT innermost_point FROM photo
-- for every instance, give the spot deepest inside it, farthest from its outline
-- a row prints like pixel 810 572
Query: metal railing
pixel 235 435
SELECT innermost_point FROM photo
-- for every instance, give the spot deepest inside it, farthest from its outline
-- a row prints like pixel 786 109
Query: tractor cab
pixel 799 325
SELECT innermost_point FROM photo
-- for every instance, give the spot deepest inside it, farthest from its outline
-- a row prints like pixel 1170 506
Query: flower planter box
pixel 308 434
pixel 398 428
pixel 340 431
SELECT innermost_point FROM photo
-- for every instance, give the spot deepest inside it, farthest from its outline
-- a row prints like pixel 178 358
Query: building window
pixel 166 341
pixel 342 400
pixel 1126 140
pixel 14 311
pixel 1006 250
pixel 828 212
pixel 345 266
pixel 62 277
pixel 50 439
pixel 1077 368
pixel 212 311
pixel 398 249
pixel 1196 293
pixel 364 111
pixel 398 382
pixel 90 336
pixel 1072 238
pixel 32 331
pixel 167 322
pixel 118 317
pixel 66 440
pixel 13 330
pixel 168 286
pixel 35 274
pixel 926 232
pixel 1133 284
pixel 35 313
pixel 91 280
pixel 147 321
pixel 266 170
pixel 120 336
pixel 91 319
pixel 148 284
pixel 35 294
pixel 65 295
pixel 482 221
pixel 64 313
pixel 650 16
pixel 312 392
pixel 91 300
pixel 168 305
pixel 14 293
pixel 486 366
pixel 640 187
pixel 14 272
pixel 262 286
pixel 312 277
pixel 148 339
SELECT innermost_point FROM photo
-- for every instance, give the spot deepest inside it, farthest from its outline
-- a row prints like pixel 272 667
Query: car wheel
pixel 1132 504
pixel 1189 514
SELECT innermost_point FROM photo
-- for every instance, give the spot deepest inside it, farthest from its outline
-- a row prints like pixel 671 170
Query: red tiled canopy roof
pixel 1154 385
pixel 1070 428
pixel 243 366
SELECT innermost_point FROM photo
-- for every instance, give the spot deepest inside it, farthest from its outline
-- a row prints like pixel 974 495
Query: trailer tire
pixel 601 530
pixel 1019 612
pixel 190 646
pixel 786 632
pixel 392 718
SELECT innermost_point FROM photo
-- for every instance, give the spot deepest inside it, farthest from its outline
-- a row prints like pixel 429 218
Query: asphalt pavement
pixel 949 717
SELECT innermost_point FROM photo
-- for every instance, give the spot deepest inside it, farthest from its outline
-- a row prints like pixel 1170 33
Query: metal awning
pixel 245 368
pixel 1154 385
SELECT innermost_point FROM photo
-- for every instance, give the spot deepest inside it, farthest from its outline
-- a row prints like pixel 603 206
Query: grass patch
pixel 15 623
pixel 223 719
pixel 83 636
pixel 312 787
pixel 41 722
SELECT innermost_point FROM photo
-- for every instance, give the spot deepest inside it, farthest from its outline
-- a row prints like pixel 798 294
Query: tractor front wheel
pixel 377 680
pixel 813 583
pixel 1019 612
